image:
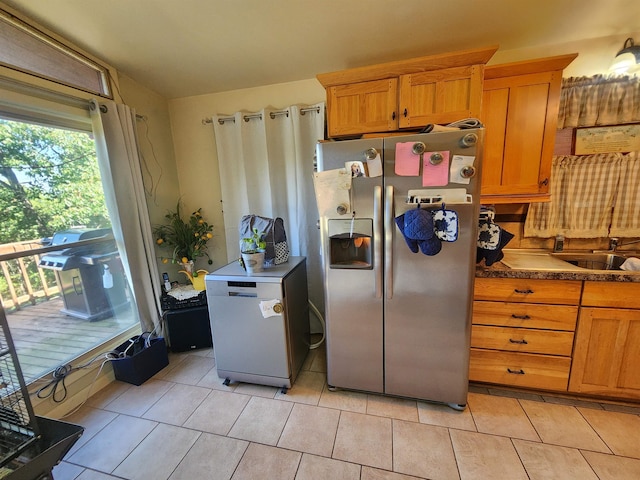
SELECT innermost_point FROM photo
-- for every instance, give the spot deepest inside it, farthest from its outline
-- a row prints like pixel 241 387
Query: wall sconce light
pixel 628 59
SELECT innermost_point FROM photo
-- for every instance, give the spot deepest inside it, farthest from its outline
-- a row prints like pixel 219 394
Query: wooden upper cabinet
pixel 440 96
pixel 520 104
pixel 363 107
pixel 406 94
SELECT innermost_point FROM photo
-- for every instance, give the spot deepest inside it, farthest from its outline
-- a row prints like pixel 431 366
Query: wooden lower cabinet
pixel 544 372
pixel 522 332
pixel 606 356
pixel 557 335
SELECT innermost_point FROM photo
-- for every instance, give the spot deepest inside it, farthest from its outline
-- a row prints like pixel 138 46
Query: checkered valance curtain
pixel 592 196
pixel 599 100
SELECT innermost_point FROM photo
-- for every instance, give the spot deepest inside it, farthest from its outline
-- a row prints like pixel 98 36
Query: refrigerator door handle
pixel 388 241
pixel 377 238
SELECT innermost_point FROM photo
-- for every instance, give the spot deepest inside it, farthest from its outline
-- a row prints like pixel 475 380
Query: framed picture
pixel 615 138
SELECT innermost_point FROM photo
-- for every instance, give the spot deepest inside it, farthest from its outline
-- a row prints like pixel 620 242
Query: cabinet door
pixel 520 117
pixel 607 353
pixel 363 107
pixel 440 96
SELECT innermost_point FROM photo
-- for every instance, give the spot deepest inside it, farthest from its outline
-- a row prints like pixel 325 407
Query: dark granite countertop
pixel 500 270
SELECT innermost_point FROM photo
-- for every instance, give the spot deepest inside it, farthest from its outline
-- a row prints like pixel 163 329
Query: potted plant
pixel 253 249
pixel 188 241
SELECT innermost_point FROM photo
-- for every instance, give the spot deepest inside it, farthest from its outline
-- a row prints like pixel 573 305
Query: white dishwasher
pixel 259 323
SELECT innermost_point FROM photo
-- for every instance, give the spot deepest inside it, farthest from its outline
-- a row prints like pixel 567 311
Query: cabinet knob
pixel 544 182
pixel 393 116
pixel 405 113
pixel 517 372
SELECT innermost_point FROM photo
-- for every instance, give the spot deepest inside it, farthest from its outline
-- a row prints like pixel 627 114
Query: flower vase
pixel 253 262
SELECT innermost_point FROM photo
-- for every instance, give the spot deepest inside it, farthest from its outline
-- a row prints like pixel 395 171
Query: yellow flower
pixel 159 241
pixel 165 260
pixel 209 235
pixel 185 260
pixel 201 221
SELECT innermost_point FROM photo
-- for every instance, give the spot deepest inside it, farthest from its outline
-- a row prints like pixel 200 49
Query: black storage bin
pixel 140 364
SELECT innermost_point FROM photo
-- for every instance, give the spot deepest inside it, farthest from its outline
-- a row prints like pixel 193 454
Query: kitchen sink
pixel 522 259
pixel 592 261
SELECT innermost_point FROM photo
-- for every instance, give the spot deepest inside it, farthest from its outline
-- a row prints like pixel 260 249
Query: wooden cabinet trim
pixel 403 67
pixel 524 67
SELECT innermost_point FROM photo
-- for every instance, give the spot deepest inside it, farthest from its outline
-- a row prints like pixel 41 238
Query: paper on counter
pixel 266 308
pixel 332 190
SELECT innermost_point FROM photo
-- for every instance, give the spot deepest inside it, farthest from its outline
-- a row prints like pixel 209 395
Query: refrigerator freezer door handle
pixel 388 241
pixel 377 238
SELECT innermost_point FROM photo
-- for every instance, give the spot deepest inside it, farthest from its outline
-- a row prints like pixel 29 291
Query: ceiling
pixel 181 48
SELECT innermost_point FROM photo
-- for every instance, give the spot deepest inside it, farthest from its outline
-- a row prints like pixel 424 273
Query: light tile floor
pixel 185 424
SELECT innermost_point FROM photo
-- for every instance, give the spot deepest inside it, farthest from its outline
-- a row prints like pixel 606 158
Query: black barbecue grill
pixel 89 275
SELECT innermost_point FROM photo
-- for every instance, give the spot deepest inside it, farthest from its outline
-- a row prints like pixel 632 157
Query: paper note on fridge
pixel 407 163
pixel 267 308
pixel 332 191
pixel 458 162
pixel 435 169
pixel 374 166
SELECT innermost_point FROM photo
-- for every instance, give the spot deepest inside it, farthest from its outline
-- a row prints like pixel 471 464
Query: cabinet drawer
pixel 559 292
pixel 526 370
pixel 547 342
pixel 611 294
pixel 528 315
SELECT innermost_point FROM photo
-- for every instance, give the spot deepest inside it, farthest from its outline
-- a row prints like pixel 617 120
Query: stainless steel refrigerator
pixel 398 321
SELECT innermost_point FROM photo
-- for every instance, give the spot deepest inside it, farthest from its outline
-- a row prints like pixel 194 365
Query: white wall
pixel 195 148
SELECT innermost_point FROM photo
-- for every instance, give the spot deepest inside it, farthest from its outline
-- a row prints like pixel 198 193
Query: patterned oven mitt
pixel 488 235
pixel 445 224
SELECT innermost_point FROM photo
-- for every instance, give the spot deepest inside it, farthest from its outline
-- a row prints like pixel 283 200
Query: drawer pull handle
pixel 520 317
pixel 526 292
pixel 516 372
pixel 521 342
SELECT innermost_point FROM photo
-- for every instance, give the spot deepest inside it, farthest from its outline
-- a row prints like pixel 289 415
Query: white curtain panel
pixel 266 162
pixel 119 161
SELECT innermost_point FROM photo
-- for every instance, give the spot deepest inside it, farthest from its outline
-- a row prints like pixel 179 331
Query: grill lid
pixel 73 257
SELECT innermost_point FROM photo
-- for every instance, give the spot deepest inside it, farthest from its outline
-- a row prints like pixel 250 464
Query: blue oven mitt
pixel 417 228
pixel 412 244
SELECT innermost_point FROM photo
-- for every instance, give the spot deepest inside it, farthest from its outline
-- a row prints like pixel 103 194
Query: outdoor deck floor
pixel 46 338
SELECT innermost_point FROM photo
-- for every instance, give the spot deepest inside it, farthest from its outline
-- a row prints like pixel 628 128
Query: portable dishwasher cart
pixel 259 323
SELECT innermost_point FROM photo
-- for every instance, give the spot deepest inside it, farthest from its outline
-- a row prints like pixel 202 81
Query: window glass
pixel 62 283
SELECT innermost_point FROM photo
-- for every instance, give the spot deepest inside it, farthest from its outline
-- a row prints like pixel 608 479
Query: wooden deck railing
pixel 22 281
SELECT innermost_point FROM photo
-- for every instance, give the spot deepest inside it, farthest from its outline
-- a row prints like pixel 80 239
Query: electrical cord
pixel 51 388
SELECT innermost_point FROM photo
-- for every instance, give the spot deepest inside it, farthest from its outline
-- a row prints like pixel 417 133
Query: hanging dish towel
pixel 407 163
